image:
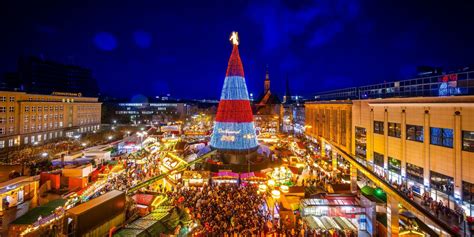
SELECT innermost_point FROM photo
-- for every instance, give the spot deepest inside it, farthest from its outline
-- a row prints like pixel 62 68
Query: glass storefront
pixel 468 198
pixel 394 170
pixel 361 142
pixel 442 188
pixel 379 165
pixel 415 178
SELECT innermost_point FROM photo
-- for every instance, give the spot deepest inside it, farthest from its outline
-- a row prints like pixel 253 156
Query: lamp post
pixel 276 196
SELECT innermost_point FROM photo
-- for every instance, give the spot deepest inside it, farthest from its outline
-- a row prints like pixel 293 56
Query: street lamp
pixel 271 182
pixel 44 154
pixel 262 188
pixel 275 195
pixel 110 137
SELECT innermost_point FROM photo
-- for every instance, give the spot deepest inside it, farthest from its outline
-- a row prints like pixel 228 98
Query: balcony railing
pixel 461 83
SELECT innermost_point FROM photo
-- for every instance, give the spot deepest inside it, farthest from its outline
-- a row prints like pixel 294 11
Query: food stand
pixel 253 178
pixel 196 178
pixel 334 213
pixel 225 177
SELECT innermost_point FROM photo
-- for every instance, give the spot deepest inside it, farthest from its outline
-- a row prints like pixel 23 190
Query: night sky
pixel 179 47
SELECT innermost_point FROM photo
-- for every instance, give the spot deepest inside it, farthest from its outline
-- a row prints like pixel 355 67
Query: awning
pixel 226 174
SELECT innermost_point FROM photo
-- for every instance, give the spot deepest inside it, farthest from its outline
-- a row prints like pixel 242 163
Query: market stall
pixel 225 177
pixel 196 178
pixel 253 178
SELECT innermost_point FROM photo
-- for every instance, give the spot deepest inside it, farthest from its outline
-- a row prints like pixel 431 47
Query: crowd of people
pixel 225 209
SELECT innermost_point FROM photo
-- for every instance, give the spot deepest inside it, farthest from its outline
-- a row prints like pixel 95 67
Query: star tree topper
pixel 234 38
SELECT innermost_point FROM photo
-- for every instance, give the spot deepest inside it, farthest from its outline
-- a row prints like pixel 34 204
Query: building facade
pixel 424 142
pixel 27 119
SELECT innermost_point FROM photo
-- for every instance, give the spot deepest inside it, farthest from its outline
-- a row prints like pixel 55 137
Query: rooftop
pixel 450 84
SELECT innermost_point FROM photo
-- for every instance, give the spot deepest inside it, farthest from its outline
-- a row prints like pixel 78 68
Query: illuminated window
pixel 468 141
pixel 415 133
pixel 378 159
pixel 378 127
pixel 2 144
pixel 441 137
pixel 394 130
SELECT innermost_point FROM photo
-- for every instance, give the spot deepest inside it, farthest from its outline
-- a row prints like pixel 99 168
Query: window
pixel 394 165
pixel 40 108
pixel 33 108
pixel 11 119
pixel 361 142
pixel 415 133
pixel 26 119
pixel 378 159
pixel 3 109
pixel 12 99
pixel 45 108
pixel 12 109
pixel 441 137
pixel 467 192
pixel 3 120
pixel 11 130
pixel 378 127
pixel 415 173
pixel 27 108
pixel 3 98
pixel 442 182
pixel 394 129
pixel 2 144
pixel 33 118
pixel 25 140
pixel 468 141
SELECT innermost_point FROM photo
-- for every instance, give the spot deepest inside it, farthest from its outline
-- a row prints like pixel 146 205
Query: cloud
pixel 142 39
pixel 325 33
pixel 105 41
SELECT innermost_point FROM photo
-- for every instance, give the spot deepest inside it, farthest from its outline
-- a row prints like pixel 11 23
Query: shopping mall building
pixel 419 132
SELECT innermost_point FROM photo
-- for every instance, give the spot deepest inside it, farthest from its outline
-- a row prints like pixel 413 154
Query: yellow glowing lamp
pixel 271 182
pixel 234 38
pixel 262 188
pixel 284 189
pixel 275 194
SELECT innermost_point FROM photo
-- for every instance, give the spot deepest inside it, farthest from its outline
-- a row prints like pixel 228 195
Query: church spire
pixel 266 83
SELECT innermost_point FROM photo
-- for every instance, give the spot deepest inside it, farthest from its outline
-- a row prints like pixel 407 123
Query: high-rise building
pixel 39 76
pixel 234 129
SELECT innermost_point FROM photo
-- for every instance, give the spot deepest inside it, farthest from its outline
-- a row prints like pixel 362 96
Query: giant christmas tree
pixel 234 130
